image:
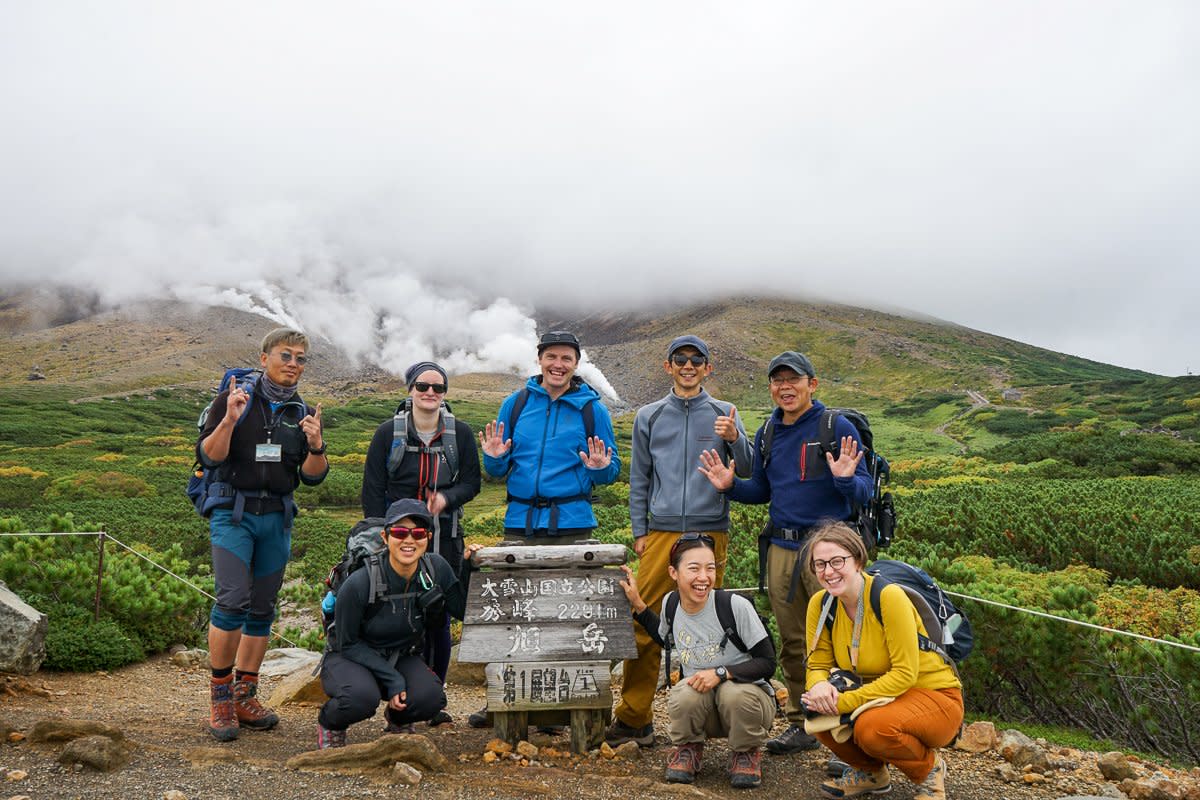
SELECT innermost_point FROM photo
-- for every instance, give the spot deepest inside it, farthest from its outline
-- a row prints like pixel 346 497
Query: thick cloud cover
pixel 414 178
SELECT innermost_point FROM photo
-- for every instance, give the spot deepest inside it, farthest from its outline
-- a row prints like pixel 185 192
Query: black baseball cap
pixel 558 337
pixel 796 361
pixel 688 340
pixel 408 507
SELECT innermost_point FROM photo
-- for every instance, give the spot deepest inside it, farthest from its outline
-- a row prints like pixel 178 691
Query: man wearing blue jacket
pixel 805 487
pixel 557 445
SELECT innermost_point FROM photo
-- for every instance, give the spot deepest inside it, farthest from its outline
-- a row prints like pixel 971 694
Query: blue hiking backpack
pixel 204 489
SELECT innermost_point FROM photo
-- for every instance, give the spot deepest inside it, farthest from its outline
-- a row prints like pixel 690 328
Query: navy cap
pixel 558 337
pixel 797 361
pixel 686 341
pixel 408 507
pixel 411 374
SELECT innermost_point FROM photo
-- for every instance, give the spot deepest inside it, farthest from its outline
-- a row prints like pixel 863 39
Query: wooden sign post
pixel 548 620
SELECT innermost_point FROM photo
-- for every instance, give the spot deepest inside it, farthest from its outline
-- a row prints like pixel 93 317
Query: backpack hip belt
pixel 551 503
pixel 241 501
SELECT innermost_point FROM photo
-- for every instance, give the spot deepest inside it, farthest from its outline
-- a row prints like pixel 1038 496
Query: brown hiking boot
pixel 251 713
pixel 222 719
pixel 684 762
pixel 745 769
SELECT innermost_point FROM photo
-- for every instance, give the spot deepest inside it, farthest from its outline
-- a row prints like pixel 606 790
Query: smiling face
pixel 404 553
pixel 687 377
pixel 428 400
pixel 558 363
pixel 843 581
pixel 284 373
pixel 792 392
pixel 695 575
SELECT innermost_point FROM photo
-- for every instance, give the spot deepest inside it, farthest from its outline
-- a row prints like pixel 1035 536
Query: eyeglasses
pixel 837 562
pixel 287 357
pixel 787 380
pixel 422 386
pixel 400 532
pixel 691 536
pixel 679 360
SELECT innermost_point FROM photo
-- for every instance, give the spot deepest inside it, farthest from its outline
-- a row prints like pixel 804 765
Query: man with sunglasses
pixel 427 454
pixel 805 487
pixel 262 444
pixel 667 496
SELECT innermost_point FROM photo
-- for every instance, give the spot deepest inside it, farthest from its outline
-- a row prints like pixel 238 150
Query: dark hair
pixel 843 536
pixel 690 541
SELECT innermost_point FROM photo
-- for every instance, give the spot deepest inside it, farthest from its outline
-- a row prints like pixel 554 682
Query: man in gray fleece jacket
pixel 669 495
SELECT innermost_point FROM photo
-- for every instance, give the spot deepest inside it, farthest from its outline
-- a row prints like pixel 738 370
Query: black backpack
pixel 875 521
pixel 724 603
pixel 365 548
pixel 950 634
pixel 204 488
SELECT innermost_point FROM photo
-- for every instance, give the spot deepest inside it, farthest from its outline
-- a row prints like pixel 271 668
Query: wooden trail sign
pixel 548 620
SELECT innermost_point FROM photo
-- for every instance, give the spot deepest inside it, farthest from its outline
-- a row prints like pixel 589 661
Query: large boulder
pixel 22 634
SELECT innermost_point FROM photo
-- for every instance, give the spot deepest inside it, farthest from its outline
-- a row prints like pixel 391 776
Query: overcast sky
pixel 407 176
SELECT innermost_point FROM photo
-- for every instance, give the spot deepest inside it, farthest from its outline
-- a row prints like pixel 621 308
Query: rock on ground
pixel 65 730
pixel 97 752
pixel 22 634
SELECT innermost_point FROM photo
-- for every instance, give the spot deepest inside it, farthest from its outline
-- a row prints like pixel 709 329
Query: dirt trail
pixel 160 707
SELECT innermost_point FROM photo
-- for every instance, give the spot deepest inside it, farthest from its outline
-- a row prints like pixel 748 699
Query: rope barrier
pixel 111 538
pixel 959 595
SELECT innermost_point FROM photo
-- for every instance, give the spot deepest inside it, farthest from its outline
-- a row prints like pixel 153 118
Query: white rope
pixel 180 578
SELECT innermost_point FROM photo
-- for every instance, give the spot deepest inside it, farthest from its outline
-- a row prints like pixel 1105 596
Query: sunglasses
pixel 287 357
pixel 422 386
pixel 691 536
pixel 679 360
pixel 400 532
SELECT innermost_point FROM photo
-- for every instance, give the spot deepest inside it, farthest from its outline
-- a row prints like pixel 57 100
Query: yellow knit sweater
pixel 889 661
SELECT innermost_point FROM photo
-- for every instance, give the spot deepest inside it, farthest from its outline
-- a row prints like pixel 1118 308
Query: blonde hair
pixel 842 535
pixel 284 336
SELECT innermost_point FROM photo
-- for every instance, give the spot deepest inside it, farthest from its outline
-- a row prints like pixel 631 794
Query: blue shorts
pixel 248 561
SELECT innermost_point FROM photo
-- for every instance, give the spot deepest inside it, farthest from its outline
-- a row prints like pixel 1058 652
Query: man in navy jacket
pixel 804 486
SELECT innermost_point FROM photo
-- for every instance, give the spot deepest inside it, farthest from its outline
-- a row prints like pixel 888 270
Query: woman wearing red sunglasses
pixel 380 643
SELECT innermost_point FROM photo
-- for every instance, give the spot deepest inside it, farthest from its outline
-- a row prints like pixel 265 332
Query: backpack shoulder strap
pixel 669 608
pixel 724 602
pixel 399 438
pixel 450 441
pixel 377 583
pixel 828 612
pixel 827 431
pixel 764 442
pixel 514 413
pixel 877 584
pixel 589 418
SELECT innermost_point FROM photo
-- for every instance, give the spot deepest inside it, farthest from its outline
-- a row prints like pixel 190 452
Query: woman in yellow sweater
pixel 913 697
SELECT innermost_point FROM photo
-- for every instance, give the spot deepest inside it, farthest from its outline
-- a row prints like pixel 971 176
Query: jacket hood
pixel 578 397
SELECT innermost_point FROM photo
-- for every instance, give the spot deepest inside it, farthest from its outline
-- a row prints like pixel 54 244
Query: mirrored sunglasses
pixel 401 532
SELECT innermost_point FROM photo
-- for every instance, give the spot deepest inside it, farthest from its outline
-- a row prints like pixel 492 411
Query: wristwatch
pixel 320 451
pixel 722 674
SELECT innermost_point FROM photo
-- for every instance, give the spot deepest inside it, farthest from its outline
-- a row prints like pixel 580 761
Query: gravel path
pixel 161 709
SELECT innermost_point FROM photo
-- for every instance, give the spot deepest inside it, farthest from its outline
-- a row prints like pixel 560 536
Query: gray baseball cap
pixel 688 340
pixel 796 361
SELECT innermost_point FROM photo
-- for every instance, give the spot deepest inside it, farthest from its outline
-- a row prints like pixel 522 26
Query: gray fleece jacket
pixel 667 490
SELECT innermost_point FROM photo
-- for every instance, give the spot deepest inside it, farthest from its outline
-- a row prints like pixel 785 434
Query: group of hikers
pixel 858 683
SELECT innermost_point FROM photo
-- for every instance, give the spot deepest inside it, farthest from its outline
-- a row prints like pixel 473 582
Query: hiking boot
pixel 793 740
pixel 684 763
pixel 479 719
pixel 327 738
pixel 441 718
pixel 222 719
pixel 407 727
pixel 855 782
pixel 251 713
pixel 934 785
pixel 834 767
pixel 619 733
pixel 745 769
